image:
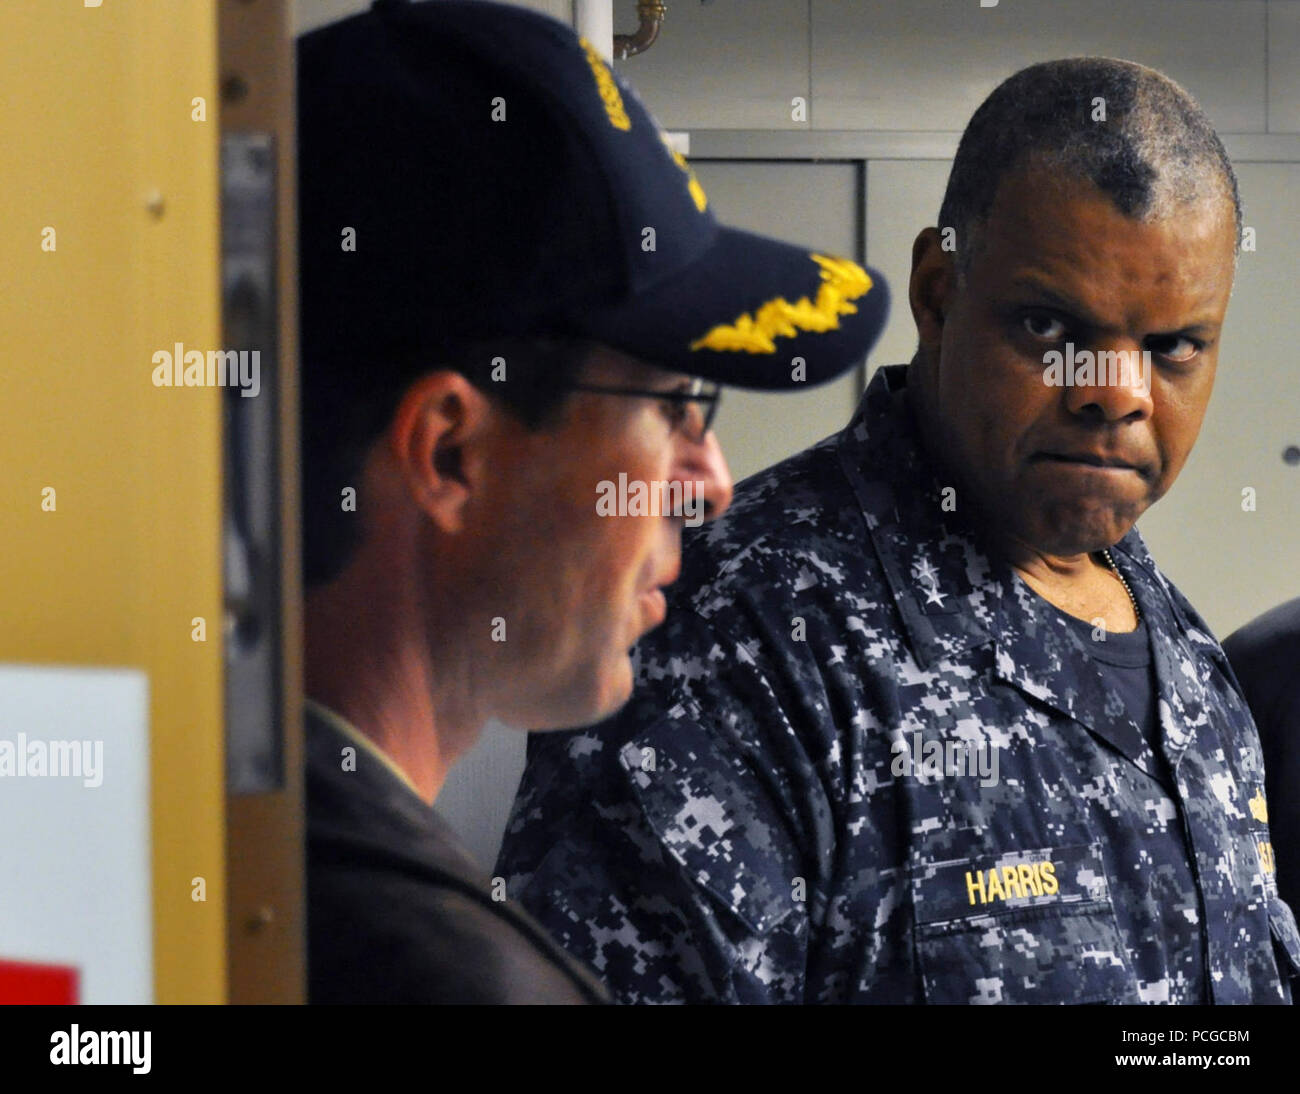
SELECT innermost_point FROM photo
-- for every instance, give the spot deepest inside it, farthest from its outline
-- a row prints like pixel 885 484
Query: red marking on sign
pixel 25 982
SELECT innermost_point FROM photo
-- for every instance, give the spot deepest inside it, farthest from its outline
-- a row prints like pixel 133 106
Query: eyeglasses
pixel 683 417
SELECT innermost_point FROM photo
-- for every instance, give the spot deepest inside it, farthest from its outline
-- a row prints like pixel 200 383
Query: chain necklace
pixel 1137 612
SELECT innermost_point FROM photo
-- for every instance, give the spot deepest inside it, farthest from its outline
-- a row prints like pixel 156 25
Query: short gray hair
pixel 1154 151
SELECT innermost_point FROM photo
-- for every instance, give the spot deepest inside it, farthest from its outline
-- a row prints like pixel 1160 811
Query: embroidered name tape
pixel 990 885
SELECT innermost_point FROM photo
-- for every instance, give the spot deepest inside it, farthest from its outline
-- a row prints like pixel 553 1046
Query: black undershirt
pixel 1125 661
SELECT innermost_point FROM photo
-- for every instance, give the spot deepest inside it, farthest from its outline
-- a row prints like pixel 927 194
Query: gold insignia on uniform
pixel 1021 881
pixel 1259 807
pixel 607 86
pixel 842 281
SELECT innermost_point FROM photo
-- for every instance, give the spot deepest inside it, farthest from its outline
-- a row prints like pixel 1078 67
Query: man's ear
pixel 436 439
pixel 931 285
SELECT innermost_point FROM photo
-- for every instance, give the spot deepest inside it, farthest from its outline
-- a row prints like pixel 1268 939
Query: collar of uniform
pixel 937 576
pixel 1031 655
pixel 422 845
pixel 1038 654
pixel 1188 656
pixel 335 719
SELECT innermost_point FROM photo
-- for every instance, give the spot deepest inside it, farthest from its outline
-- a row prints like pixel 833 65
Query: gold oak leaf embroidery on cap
pixel 842 281
pixel 607 87
pixel 692 182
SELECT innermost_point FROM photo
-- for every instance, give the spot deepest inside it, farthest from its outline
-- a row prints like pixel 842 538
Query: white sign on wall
pixel 75 878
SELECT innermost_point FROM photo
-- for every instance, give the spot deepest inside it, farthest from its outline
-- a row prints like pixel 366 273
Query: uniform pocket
pixel 1019 927
pixel 705 810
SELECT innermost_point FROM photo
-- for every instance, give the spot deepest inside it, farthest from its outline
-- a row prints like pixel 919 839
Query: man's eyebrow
pixel 1046 292
pixel 669 383
pixel 1064 303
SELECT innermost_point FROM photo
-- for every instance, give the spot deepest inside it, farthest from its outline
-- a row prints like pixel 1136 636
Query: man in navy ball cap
pixel 517 307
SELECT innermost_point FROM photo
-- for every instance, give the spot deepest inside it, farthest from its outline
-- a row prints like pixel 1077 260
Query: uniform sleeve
pixel 1264 655
pixel 667 848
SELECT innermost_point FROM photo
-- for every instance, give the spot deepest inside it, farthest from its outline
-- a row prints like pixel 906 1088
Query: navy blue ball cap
pixel 471 170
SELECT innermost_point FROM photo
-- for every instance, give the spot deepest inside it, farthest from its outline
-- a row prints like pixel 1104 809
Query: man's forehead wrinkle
pixel 1039 283
pixel 1080 217
pixel 1198 212
pixel 1046 248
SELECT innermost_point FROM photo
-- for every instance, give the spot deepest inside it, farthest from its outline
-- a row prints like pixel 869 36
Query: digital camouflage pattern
pixel 738 833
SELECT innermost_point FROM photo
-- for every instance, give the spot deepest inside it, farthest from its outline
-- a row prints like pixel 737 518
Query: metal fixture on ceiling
pixel 651 13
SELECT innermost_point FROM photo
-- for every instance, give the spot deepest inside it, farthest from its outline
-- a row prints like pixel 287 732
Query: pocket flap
pixel 711 815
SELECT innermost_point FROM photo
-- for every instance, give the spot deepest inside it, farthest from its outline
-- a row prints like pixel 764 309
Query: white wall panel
pixel 76 852
pixel 480 789
pixel 310 14
pixel 928 64
pixel 903 196
pixel 728 64
pixel 1231 563
pixel 1284 66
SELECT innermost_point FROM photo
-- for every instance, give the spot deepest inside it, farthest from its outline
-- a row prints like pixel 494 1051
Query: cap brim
pixel 754 312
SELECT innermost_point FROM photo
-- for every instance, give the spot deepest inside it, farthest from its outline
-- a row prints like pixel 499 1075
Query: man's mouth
pixel 652 600
pixel 655 607
pixel 1100 461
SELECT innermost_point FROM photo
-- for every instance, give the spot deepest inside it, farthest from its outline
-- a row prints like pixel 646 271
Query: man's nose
pixel 704 463
pixel 1121 383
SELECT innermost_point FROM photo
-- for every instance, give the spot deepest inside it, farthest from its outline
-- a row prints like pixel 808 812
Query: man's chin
pixel 1078 532
pixel 612 700
pixel 587 706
